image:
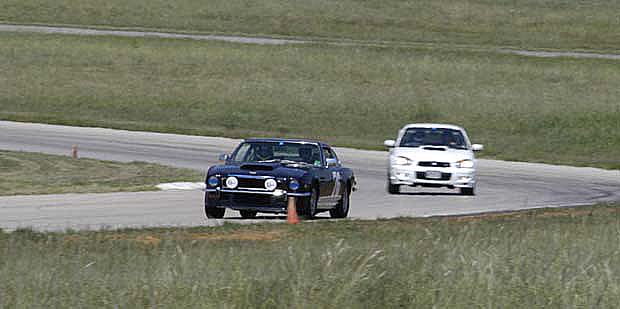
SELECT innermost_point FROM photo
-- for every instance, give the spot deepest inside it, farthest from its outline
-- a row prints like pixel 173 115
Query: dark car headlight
pixel 232 182
pixel 271 184
pixel 294 185
pixel 213 181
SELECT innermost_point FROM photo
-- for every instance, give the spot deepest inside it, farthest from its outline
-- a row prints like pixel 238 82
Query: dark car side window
pixel 243 152
pixel 329 154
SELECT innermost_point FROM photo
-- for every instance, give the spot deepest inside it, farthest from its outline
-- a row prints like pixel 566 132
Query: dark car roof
pixel 291 140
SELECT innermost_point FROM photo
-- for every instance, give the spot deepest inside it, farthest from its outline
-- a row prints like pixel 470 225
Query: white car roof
pixel 433 125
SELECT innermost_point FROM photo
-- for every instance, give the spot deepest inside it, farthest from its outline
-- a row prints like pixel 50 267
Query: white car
pixel 432 155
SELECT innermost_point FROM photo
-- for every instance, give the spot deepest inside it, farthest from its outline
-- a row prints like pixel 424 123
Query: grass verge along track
pixel 560 257
pixel 549 110
pixel 34 173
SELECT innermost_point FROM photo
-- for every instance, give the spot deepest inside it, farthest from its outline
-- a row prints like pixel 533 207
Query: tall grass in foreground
pixel 552 259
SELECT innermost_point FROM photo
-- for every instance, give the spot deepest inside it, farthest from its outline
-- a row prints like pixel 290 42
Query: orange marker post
pixel 291 213
pixel 74 153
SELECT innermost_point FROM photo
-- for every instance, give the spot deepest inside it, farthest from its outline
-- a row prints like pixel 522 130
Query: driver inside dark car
pixel 264 153
pixel 305 153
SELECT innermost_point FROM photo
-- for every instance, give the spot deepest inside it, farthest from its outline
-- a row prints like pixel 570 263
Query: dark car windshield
pixel 416 137
pixel 277 151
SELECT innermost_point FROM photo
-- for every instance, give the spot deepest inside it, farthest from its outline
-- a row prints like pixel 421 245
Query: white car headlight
pixel 232 182
pixel 401 161
pixel 465 163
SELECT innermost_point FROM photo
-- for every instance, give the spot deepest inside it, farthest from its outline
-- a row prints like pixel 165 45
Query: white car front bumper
pixel 412 175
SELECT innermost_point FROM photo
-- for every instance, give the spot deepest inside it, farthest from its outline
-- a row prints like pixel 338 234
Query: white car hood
pixel 419 154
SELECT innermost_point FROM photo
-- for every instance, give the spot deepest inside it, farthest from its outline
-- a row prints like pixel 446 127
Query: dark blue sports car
pixel 261 174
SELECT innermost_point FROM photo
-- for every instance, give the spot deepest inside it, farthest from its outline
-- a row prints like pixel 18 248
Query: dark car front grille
pixel 434 164
pixel 444 176
pixel 251 183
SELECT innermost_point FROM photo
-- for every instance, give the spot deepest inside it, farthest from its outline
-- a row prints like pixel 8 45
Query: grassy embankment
pixel 558 24
pixel 33 173
pixel 546 258
pixel 550 110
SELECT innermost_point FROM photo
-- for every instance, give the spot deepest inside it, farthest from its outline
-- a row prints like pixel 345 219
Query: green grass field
pixel 560 24
pixel 33 173
pixel 549 110
pixel 561 258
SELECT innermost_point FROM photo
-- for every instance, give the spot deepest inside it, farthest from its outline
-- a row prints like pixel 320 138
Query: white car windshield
pixel 416 137
pixel 277 151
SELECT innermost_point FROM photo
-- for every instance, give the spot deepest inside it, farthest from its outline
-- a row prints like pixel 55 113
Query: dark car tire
pixel 392 189
pixel 309 210
pixel 214 213
pixel 247 214
pixel 468 191
pixel 342 209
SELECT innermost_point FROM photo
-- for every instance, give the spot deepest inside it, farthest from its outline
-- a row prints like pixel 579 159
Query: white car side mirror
pixel 389 143
pixel 477 147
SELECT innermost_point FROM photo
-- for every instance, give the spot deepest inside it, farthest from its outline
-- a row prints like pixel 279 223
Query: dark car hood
pixel 261 169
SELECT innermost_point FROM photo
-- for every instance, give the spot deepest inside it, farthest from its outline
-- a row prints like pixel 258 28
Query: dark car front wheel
pixel 309 209
pixel 247 214
pixel 342 209
pixel 213 212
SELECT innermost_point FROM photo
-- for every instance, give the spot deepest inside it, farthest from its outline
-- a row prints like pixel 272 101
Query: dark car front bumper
pixel 262 201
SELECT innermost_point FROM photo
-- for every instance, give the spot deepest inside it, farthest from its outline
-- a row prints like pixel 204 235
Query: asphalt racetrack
pixel 272 41
pixel 502 186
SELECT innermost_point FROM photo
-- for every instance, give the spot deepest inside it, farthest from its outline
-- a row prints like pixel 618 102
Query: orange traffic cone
pixel 291 213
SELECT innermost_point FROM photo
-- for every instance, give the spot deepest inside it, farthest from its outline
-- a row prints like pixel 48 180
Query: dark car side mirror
pixel 331 162
pixel 224 157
